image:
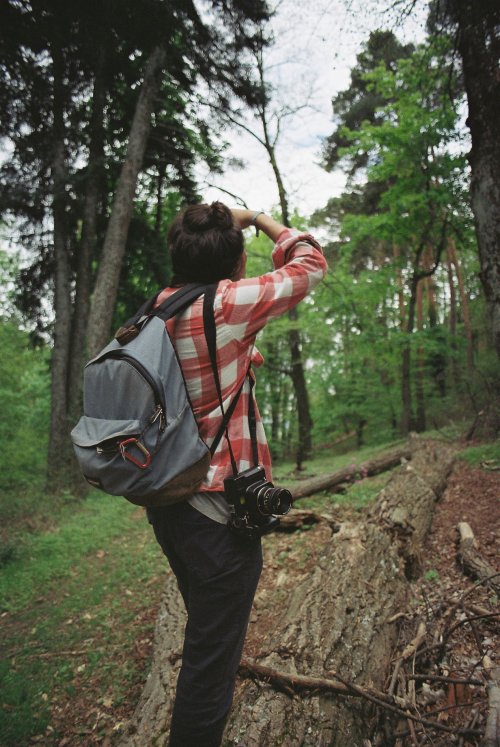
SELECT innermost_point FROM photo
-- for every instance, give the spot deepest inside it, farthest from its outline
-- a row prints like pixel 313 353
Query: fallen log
pixel 405 506
pixel 149 724
pixel 339 613
pixel 470 559
pixel 351 472
pixel 340 621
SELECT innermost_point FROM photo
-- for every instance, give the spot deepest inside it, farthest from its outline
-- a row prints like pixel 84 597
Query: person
pixel 217 572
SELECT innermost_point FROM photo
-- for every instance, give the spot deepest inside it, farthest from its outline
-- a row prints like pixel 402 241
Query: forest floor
pixel 472 495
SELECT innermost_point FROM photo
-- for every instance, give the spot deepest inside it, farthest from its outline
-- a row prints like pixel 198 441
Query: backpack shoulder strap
pixel 174 304
pixel 180 300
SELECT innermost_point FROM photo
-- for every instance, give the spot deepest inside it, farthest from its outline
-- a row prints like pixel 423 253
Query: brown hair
pixel 205 244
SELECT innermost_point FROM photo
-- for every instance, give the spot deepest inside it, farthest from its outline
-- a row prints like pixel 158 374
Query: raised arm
pixel 299 264
pixel 245 218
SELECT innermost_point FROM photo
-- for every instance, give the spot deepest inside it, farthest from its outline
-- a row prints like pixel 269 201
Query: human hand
pixel 242 217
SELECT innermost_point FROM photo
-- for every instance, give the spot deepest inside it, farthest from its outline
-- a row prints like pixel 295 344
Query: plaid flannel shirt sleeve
pixel 299 265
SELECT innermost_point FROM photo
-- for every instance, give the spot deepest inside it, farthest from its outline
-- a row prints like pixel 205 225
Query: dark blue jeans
pixel 217 574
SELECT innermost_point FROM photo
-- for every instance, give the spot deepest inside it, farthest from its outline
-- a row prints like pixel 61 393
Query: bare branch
pixel 239 200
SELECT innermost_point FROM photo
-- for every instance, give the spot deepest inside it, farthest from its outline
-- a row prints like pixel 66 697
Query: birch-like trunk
pixel 106 287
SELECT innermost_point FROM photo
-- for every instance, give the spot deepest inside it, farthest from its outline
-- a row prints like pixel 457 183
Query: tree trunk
pixel 304 445
pixel 437 358
pixel 276 398
pixel 420 373
pixel 464 302
pixel 88 242
pixel 471 559
pixel 455 366
pixel 400 285
pixel 409 520
pixel 58 441
pixel 334 615
pixel 162 170
pixel 492 730
pixel 478 38
pixel 103 299
pixel 407 419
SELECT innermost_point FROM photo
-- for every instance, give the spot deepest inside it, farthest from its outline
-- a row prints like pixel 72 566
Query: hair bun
pixel 220 216
pixel 199 218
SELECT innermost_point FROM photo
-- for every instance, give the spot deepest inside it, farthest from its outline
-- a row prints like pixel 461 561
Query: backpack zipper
pixel 160 408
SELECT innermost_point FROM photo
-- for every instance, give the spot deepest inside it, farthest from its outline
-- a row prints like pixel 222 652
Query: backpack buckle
pixel 127 455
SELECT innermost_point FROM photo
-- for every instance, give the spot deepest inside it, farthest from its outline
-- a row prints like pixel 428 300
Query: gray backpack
pixel 138 436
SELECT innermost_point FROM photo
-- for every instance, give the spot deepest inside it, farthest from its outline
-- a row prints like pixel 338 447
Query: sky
pixel 316 43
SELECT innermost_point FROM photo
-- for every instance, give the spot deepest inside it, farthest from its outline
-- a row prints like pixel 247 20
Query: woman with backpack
pixel 217 569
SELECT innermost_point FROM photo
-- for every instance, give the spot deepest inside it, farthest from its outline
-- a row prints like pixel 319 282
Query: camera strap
pixel 252 420
pixel 211 338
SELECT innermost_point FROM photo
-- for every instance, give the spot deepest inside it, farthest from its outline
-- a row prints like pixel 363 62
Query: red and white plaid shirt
pixel 242 308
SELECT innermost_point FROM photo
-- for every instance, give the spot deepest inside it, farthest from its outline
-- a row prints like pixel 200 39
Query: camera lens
pixel 272 500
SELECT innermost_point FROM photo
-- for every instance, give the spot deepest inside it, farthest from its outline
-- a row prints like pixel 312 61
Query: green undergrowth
pixel 325 461
pixel 357 494
pixel 486 455
pixel 70 606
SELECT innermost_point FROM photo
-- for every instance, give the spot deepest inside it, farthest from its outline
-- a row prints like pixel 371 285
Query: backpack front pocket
pixel 102 446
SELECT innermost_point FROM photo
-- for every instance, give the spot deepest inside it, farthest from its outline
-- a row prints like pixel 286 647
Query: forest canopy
pixel 105 119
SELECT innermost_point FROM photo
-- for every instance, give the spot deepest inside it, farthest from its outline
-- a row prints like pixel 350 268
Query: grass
pixel 357 495
pixel 79 586
pixel 77 575
pixel 325 461
pixel 70 610
pixel 487 454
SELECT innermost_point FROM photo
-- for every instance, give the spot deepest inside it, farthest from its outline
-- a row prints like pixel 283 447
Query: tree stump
pixel 334 616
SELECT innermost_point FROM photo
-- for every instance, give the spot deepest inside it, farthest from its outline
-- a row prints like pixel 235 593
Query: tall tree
pixel 55 85
pixel 360 102
pixel 297 373
pixel 478 41
pixel 106 285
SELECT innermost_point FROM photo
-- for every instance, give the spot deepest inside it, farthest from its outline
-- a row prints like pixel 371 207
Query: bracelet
pixel 254 219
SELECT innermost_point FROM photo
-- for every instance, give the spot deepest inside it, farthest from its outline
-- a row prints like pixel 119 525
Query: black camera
pixel 256 502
